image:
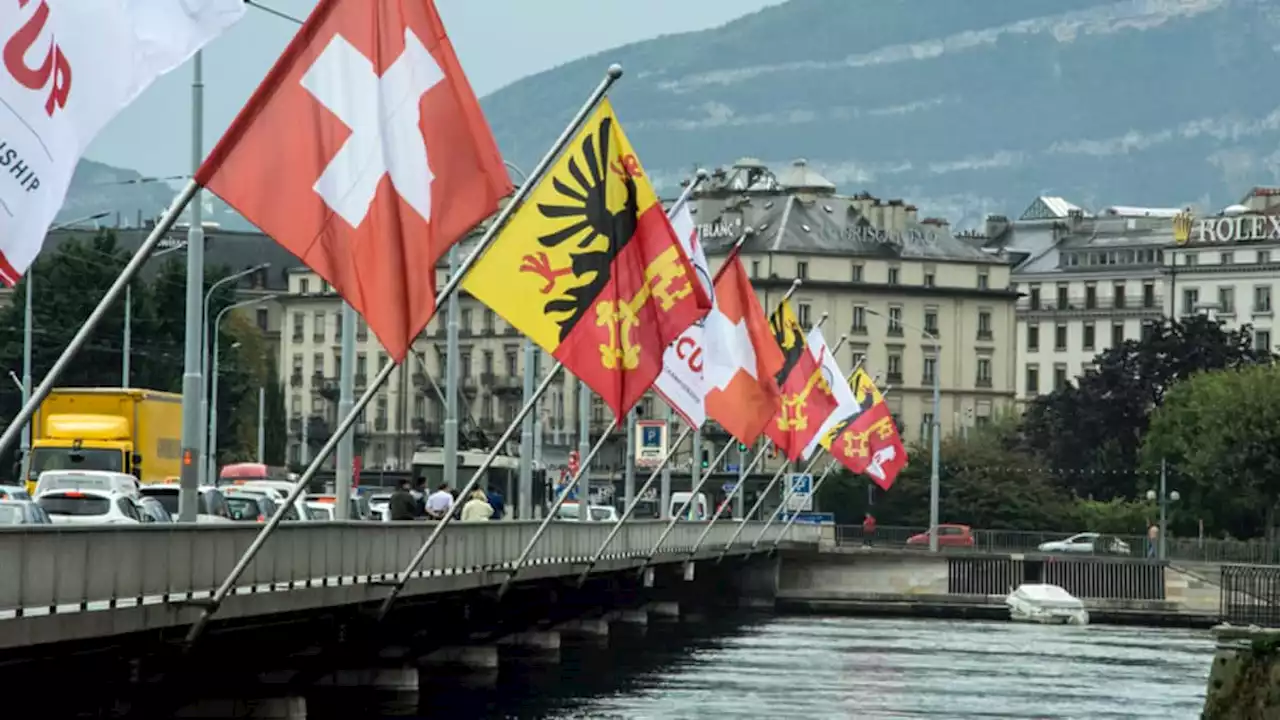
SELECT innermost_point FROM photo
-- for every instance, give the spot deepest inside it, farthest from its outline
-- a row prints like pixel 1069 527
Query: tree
pixel 1219 433
pixel 277 428
pixel 1090 432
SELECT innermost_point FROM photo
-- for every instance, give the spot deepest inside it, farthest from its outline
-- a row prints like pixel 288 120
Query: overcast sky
pixel 498 42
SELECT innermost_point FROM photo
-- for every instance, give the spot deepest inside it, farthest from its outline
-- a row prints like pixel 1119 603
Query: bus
pixel 502 475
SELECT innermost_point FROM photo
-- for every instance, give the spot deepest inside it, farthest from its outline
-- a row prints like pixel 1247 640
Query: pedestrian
pixel 477 508
pixel 497 502
pixel 420 497
pixel 1153 537
pixel 868 529
pixel 401 506
pixel 439 503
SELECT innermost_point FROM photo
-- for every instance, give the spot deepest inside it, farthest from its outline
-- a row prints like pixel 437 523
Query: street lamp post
pixel 935 433
pixel 1165 497
pixel 211 462
pixel 524 489
pixel 126 345
pixel 203 442
pixel 28 327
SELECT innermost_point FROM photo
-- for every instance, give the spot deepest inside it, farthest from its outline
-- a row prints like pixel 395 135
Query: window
pixel 1090 296
pixel 337 327
pixel 317 329
pixel 297 363
pixel 304 286
pixel 1062 297
pixel 1148 294
pixel 513 363
pixel 1059 337
pixel 337 363
pixel 1148 330
pixel 1227 300
pixel 464 364
pixel 362 367
pixel 984 280
pixel 984 372
pixel 1034 293
pixel 1059 376
pixel 1262 298
pixel 859 319
pixel 929 278
pixel 802 314
pixel 894 367
pixel 1262 340
pixel 464 321
pixel 984 324
pixel 931 320
pixel 755 268
pixel 299 324
pixel 486 360
pixel 1118 299
pixel 382 360
pixel 857 355
pixel 362 329
pixel 1264 256
pixel 1190 298
pixel 317 363
pixel 420 407
pixel 1033 380
pixel 295 405
pixel 895 320
pixel 857 273
pixel 926 426
pixel 1089 336
pixel 1117 334
pixel 1192 260
pixel 802 269
pixel 264 319
pixel 1227 258
pixel 930 371
pixel 1033 338
pixel 894 274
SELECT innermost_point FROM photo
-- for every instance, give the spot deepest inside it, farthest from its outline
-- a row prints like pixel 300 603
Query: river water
pixel 838 667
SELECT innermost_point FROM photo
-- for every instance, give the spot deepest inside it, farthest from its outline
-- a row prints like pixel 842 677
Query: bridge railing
pixel 47 567
pixel 1258 552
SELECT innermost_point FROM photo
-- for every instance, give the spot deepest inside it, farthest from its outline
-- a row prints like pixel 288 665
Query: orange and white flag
pixel 742 358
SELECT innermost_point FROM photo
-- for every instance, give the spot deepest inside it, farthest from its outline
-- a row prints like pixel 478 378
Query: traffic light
pixel 742 447
pixel 706 459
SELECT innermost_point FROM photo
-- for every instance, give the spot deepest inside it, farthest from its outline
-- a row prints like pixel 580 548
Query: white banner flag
pixel 846 404
pixel 681 379
pixel 70 66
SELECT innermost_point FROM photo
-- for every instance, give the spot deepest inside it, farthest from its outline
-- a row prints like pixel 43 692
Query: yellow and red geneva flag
pixel 867 442
pixel 591 270
pixel 807 400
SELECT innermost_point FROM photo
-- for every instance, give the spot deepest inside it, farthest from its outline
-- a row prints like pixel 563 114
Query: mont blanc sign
pixel 1222 230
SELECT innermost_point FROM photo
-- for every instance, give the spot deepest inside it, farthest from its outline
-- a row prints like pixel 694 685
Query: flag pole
pixel 212 604
pixel 693 492
pixel 737 488
pixel 584 500
pixel 791 520
pixel 776 477
pixel 634 501
pixel 126 276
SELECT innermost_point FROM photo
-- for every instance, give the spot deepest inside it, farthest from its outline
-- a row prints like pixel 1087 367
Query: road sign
pixel 799 492
pixel 651 442
pixel 811 518
pixel 729 487
pixel 731 467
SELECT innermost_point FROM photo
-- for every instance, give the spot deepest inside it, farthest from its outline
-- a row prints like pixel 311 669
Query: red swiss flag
pixel 365 153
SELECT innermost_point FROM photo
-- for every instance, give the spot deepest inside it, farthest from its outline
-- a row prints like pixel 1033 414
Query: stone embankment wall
pixel 1244 683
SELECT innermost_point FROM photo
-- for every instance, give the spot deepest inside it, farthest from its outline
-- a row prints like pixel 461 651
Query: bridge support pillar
pixel 585 628
pixel 399 680
pixel 537 640
pixel 664 610
pixel 629 617
pixel 285 708
pixel 466 657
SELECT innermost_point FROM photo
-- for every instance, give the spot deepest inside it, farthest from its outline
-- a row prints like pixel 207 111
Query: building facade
pixel 912 300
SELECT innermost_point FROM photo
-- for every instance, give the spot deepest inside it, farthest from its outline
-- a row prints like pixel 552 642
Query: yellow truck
pixel 120 429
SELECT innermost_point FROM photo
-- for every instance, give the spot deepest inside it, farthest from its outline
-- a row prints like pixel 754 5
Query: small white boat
pixel 1046 604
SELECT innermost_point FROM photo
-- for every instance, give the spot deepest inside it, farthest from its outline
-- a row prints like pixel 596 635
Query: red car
pixel 949 535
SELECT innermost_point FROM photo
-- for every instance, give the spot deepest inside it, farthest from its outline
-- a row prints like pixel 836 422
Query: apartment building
pixel 1087 282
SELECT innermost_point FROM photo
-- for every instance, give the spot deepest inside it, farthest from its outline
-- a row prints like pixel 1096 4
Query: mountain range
pixel 962 107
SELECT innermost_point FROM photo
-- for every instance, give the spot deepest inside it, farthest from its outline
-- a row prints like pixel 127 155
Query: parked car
pixel 599 513
pixel 90 507
pixel 13 492
pixel 949 535
pixel 249 507
pixel 322 512
pixel 1087 543
pixel 22 512
pixel 211 506
pixel 153 511
pixel 360 509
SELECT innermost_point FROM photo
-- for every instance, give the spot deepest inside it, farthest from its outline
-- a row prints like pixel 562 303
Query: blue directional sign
pixel 801 483
pixel 800 495
pixel 731 467
pixel 729 487
pixel 811 518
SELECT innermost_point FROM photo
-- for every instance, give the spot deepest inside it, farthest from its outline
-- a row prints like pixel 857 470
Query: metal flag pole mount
pixel 584 499
pixel 634 503
pixel 212 604
pixel 776 477
pixel 693 492
pixel 148 246
pixel 736 489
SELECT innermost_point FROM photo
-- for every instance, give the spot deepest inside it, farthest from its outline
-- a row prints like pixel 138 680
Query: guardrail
pixel 1256 552
pixel 86 568
pixel 1249 595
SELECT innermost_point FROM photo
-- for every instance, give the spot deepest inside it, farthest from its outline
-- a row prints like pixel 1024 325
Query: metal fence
pixel 1085 577
pixel 52 567
pixel 1258 552
pixel 1250 595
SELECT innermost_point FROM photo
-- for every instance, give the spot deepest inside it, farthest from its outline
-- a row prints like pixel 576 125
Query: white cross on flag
pixel 364 152
pixel 681 381
pixel 69 67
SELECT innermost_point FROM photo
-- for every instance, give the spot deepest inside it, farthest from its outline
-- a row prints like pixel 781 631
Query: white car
pixel 278 491
pixel 1087 543
pixel 211 507
pixel 321 511
pixel 90 507
pixel 599 513
pixel 87 480
pixel 297 512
